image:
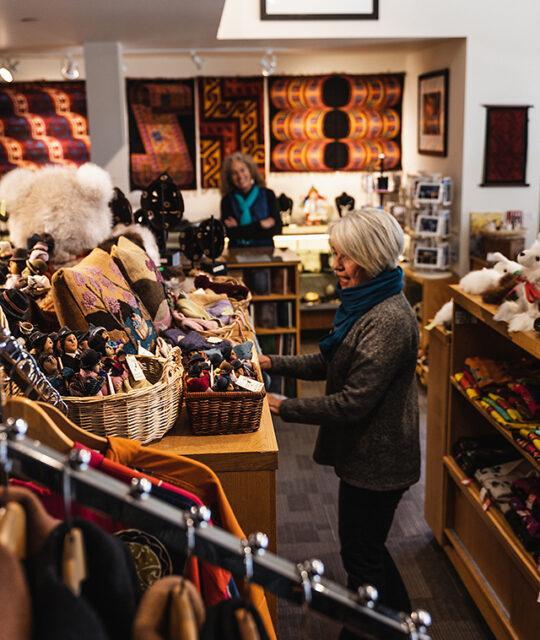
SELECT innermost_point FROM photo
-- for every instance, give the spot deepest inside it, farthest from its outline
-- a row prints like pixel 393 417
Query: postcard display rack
pixel 272 274
pixel 430 222
pixel 500 575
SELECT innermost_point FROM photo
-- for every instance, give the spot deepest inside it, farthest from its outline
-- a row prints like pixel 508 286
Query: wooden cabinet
pixel 498 572
pixel 272 274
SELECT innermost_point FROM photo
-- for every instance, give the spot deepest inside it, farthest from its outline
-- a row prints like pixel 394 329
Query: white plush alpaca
pixel 521 313
pixel 479 281
pixel 70 203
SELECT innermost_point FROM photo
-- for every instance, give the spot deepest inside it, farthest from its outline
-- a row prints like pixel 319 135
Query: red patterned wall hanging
pixel 335 122
pixel 505 157
pixel 161 131
pixel 43 123
pixel 230 119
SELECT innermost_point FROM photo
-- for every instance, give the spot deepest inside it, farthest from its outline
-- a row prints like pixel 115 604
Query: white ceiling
pixel 28 26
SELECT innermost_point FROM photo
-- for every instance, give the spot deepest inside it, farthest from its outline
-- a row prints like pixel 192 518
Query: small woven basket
pixel 223 413
pixel 143 414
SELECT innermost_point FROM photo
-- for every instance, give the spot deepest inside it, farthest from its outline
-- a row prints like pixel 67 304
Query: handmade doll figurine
pixel 197 378
pixel 88 381
pixel 59 380
pixel 98 338
pixel 40 343
pixel 223 383
pixel 16 264
pixel 113 366
pixel 70 354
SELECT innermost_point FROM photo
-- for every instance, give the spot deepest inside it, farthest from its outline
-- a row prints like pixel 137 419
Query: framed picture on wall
pixel 433 113
pixel 319 10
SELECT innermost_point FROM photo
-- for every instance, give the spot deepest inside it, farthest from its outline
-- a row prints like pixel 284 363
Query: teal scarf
pixel 357 300
pixel 245 205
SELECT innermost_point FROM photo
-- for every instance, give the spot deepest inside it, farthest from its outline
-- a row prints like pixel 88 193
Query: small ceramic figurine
pixel 313 208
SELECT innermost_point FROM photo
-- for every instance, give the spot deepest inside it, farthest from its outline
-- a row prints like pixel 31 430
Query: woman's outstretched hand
pixel 264 362
pixel 273 403
pixel 230 222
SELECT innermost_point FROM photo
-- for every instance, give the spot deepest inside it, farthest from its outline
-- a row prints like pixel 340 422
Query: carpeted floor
pixel 307 528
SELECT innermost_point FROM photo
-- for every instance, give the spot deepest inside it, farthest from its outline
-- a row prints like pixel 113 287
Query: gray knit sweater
pixel 369 416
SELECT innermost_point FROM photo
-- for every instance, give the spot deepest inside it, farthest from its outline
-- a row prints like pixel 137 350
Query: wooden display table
pixel 246 464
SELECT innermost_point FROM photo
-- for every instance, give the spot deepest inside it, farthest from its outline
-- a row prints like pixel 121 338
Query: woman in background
pixel 368 416
pixel 249 210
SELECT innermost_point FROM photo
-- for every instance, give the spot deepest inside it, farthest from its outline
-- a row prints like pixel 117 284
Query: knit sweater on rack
pixel 369 415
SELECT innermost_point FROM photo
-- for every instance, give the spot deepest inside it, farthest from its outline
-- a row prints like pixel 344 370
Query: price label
pixel 135 368
pixel 248 384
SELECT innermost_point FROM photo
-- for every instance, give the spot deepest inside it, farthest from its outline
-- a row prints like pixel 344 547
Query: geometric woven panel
pixel 335 122
pixel 43 123
pixel 161 131
pixel 230 119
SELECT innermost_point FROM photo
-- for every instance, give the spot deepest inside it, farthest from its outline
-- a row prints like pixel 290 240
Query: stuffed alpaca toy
pixel 521 313
pixel 69 203
pixel 479 281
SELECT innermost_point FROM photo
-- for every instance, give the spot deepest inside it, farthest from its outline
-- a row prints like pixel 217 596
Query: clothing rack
pixel 185 532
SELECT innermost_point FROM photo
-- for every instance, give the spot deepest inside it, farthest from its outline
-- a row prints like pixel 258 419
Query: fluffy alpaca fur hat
pixel 71 204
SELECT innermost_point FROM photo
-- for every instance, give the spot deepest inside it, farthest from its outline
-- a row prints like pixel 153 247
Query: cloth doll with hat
pixel 88 381
pixel 40 342
pixel 59 379
pixel 69 347
pixel 16 264
pixel 16 307
pixel 113 366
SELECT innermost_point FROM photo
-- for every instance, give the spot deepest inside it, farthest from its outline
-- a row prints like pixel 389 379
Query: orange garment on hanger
pixel 197 478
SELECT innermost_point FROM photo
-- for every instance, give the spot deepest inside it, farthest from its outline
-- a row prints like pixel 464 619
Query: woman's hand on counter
pixel 274 403
pixel 264 362
pixel 230 222
pixel 267 223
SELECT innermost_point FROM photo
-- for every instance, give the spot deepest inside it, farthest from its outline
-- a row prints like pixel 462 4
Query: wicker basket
pixel 143 414
pixel 227 412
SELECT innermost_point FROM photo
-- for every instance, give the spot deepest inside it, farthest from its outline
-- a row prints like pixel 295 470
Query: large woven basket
pixel 143 414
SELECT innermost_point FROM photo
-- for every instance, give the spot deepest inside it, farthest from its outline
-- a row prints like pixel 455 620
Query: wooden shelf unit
pixel 500 575
pixel 284 289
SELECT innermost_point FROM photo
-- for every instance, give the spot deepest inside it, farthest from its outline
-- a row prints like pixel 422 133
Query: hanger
pixel 73 431
pixel 12 516
pixel 51 427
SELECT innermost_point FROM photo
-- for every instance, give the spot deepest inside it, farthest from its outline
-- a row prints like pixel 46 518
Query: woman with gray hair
pixel 369 415
pixel 249 210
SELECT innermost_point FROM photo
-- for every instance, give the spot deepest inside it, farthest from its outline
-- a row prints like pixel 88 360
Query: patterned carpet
pixel 307 528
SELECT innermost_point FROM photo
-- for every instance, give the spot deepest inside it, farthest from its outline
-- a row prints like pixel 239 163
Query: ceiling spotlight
pixel 7 69
pixel 268 63
pixel 197 60
pixel 70 68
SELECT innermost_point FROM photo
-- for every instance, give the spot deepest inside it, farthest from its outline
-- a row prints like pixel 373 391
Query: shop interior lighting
pixel 70 68
pixel 197 60
pixel 268 63
pixel 7 69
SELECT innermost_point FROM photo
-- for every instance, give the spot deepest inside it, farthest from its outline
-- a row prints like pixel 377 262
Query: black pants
pixel 364 521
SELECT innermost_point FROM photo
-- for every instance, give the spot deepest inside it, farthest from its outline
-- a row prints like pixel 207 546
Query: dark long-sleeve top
pixel 253 233
pixel 369 416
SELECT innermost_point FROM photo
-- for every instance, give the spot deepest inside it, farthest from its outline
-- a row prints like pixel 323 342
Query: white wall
pixel 490 62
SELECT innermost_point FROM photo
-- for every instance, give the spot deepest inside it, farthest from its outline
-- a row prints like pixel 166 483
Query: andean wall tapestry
pixel 161 131
pixel 43 123
pixel 335 122
pixel 230 119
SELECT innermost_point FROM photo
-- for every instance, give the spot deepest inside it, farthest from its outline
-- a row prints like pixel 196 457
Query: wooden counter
pixel 245 463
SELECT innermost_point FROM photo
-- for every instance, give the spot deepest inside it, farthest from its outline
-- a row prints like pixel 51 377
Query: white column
pixel 107 110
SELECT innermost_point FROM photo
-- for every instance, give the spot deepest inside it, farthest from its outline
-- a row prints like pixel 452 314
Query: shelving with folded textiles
pixel 272 276
pixel 491 489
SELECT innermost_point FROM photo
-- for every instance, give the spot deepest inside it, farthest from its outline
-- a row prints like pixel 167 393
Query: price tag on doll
pixel 248 384
pixel 141 351
pixel 135 368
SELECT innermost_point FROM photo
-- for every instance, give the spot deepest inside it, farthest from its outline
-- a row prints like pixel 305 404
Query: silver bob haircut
pixel 370 237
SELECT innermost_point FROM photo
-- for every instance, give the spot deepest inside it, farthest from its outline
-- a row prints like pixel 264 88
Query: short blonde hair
pixel 226 184
pixel 370 237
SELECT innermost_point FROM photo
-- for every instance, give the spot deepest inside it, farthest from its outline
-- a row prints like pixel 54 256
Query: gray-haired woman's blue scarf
pixel 357 300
